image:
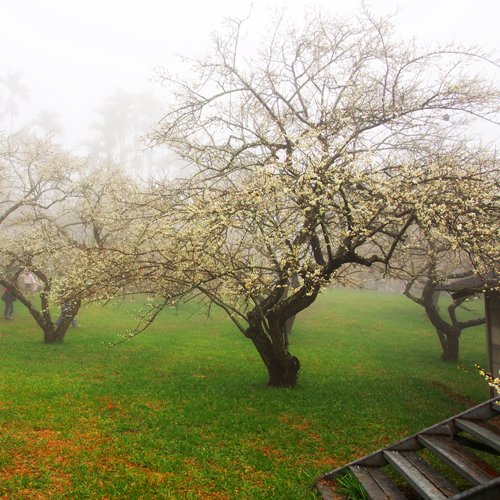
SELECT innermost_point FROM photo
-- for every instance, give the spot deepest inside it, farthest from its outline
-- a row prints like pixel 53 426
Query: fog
pixel 85 70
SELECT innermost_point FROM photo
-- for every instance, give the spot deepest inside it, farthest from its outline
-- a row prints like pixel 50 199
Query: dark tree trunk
pixel 448 336
pixel 448 332
pixel 282 367
pixel 53 335
pixel 269 328
pixel 451 347
pixel 290 321
pixel 54 332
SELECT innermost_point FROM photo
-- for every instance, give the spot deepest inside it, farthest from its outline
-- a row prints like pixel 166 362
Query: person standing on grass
pixel 29 282
pixel 9 298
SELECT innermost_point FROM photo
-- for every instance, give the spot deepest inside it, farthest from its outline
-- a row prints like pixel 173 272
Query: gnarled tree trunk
pixel 282 367
pixel 448 333
pixel 451 347
pixel 52 335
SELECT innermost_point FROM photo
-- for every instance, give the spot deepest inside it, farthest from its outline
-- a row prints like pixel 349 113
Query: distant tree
pixel 16 91
pixel 319 152
pixel 51 225
pixel 448 325
pixel 45 124
pixel 125 119
pixel 35 180
pixel 427 266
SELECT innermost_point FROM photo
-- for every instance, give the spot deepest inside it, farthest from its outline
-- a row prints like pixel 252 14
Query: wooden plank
pixel 410 444
pixel 468 465
pixel 373 460
pixel 376 483
pixel 473 443
pixel 426 480
pixel 445 486
pixel 326 491
pixel 388 486
pixel 375 492
pixel 486 491
pixel 482 431
pixel 496 407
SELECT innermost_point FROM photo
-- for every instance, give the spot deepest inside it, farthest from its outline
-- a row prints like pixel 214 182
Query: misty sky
pixel 75 53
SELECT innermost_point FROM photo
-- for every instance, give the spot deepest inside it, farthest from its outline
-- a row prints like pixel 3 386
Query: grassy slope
pixel 182 411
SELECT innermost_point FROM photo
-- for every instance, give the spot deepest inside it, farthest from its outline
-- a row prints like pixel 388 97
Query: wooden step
pixel 484 432
pixel 376 483
pixel 468 465
pixel 428 482
pixel 474 444
pixel 486 491
pixel 326 491
pixel 481 436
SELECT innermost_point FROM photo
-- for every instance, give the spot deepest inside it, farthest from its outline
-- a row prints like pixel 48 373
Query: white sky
pixel 75 53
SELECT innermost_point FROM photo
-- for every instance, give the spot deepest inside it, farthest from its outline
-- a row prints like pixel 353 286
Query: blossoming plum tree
pixel 458 243
pixel 425 266
pixel 52 223
pixel 320 151
pixel 36 179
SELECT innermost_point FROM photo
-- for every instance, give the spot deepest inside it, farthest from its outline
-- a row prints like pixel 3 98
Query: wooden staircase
pixel 451 442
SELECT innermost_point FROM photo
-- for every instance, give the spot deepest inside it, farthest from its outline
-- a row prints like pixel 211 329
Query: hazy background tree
pixel 36 180
pixel 120 134
pixel 57 214
pixel 452 246
pixel 102 223
pixel 45 124
pixel 427 265
pixel 16 92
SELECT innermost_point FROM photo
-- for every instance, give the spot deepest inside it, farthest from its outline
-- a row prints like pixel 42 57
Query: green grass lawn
pixel 183 411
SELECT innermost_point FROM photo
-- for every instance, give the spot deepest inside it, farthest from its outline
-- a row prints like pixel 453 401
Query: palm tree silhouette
pixel 46 123
pixel 17 91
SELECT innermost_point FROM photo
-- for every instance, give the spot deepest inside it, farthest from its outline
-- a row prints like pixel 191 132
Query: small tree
pixel 56 216
pixel 45 259
pixel 436 265
pixel 36 180
pixel 462 242
pixel 447 324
